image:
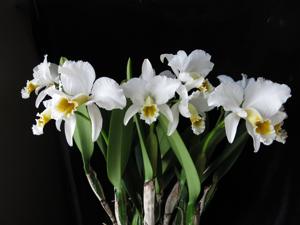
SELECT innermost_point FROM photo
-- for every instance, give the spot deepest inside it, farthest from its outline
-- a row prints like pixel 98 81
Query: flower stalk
pixel 98 191
pixel 171 203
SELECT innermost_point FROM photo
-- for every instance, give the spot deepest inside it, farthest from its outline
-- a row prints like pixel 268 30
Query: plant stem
pixel 171 203
pixel 98 190
pixel 149 203
pixel 201 206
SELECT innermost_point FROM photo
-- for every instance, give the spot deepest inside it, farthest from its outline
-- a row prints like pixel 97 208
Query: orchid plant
pixel 160 174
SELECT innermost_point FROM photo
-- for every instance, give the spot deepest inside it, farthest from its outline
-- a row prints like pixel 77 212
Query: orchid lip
pixel 149 111
pixel 66 106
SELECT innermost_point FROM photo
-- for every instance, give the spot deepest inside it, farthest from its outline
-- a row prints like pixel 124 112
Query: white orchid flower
pixel 190 69
pixel 149 94
pixel 44 118
pixel 193 107
pixel 80 88
pixel 257 101
pixel 45 75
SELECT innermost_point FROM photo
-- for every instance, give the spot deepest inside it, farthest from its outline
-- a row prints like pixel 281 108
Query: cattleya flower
pixel 44 118
pixel 191 69
pixel 259 102
pixel 45 75
pixel 149 94
pixel 80 88
pixel 192 107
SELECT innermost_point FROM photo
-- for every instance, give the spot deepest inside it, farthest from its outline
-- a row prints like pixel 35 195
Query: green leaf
pixel 62 60
pixel 185 160
pixel 164 145
pixel 122 206
pixel 209 144
pixel 167 161
pixel 222 165
pixel 129 69
pixel 137 219
pixel 211 192
pixel 236 149
pixel 227 157
pixel 133 184
pixel 182 205
pixel 152 147
pixel 119 147
pixel 102 145
pixel 148 171
pixel 139 160
pixel 83 136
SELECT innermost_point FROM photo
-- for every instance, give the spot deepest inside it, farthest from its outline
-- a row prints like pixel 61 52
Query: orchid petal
pixel 77 77
pixel 225 79
pixel 199 101
pixel 194 83
pixel 167 73
pixel 244 81
pixel 166 111
pixel 40 98
pixel 58 124
pixel 96 121
pixel 163 88
pixel 131 111
pixel 177 61
pixel 265 96
pixel 147 70
pixel 231 124
pixel 227 94
pixel 185 77
pixel 135 89
pixel 70 125
pixel 173 125
pixel 183 105
pixel 166 56
pixel 255 137
pixel 46 73
pixel 198 62
pixel 108 94
pixel 278 117
pixel 53 75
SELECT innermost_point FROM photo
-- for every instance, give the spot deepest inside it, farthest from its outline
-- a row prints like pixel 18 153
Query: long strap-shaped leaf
pixel 221 167
pixel 209 144
pixel 119 147
pixel 227 157
pixel 83 140
pixel 148 171
pixel 184 158
pixel 83 136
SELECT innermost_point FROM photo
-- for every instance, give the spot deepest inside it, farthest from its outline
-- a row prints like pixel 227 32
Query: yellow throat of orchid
pixel 205 86
pixel 31 87
pixel 45 117
pixel 68 106
pixel 197 121
pixel 262 126
pixel 149 111
pixel 278 128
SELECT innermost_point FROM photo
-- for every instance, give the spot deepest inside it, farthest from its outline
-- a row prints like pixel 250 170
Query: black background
pixel 42 180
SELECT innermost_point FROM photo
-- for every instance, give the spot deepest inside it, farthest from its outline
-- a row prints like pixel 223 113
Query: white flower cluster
pixel 69 86
pixel 183 91
pixel 259 102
